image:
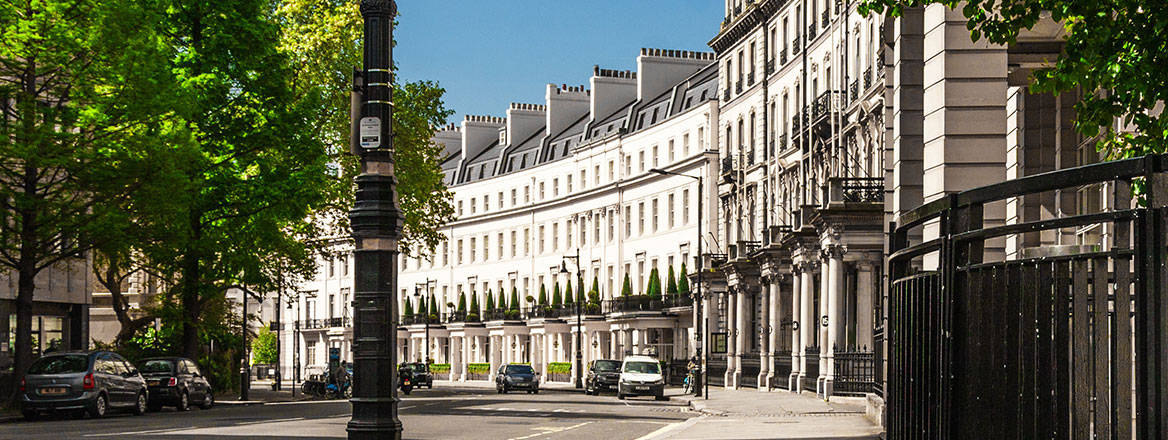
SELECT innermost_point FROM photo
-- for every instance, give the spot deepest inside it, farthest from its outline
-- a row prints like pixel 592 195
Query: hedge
pixel 559 367
pixel 478 368
pixel 439 368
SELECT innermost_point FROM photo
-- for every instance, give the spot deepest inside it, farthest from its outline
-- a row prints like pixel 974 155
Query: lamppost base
pixel 391 430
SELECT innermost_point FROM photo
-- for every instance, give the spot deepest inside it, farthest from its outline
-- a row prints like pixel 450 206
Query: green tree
pixel 462 303
pixel 594 293
pixel 580 293
pixel 502 300
pixel 434 311
pixel 683 282
pixel 653 288
pixel 263 347
pixel 568 294
pixel 557 296
pixel 671 284
pixel 1114 52
pixel 490 300
pixel 324 40
pixel 514 299
pixel 542 295
pixel 85 89
pixel 408 311
pixel 474 308
pixel 627 286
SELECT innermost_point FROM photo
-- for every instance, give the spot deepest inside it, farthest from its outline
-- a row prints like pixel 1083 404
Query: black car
pixel 176 382
pixel 603 374
pixel 94 382
pixel 419 374
pixel 517 377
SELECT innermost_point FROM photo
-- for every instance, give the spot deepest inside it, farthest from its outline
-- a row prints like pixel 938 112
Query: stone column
pixel 545 354
pixel 742 333
pixel 463 357
pixel 731 332
pixel 809 323
pixel 796 329
pixel 823 312
pixel 865 275
pixel 765 333
pixel 494 355
pixel 836 287
pixel 776 322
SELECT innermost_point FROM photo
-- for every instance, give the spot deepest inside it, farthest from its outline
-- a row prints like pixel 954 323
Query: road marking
pixel 549 430
pixel 404 407
pixel 152 431
pixel 257 422
pixel 661 432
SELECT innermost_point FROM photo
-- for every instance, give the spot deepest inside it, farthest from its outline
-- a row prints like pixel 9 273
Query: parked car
pixel 175 381
pixel 641 376
pixel 517 377
pixel 94 382
pixel 603 374
pixel 419 374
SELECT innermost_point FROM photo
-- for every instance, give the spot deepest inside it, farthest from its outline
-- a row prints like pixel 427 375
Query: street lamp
pixel 426 318
pixel 376 223
pixel 580 285
pixel 700 303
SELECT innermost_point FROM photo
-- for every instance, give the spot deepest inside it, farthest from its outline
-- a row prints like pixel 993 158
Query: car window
pixel 104 366
pixel 519 369
pixel 157 366
pixel 642 367
pixel 128 367
pixel 607 366
pixel 74 363
pixel 118 366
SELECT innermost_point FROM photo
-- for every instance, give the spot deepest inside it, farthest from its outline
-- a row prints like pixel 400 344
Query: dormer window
pixel 502 137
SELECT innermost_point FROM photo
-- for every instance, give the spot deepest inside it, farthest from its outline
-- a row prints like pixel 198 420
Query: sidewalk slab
pixel 750 414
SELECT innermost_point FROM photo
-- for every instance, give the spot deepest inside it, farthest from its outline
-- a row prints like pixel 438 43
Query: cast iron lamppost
pixel 426 318
pixel 698 299
pixel 580 281
pixel 377 225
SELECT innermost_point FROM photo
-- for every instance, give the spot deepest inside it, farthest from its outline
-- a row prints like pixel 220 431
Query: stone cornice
pixel 744 23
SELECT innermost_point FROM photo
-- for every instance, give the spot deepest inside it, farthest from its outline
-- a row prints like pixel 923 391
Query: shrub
pixel 559 367
pixel 511 314
pixel 439 368
pixel 683 282
pixel 462 302
pixel 592 309
pixel 514 300
pixel 671 284
pixel 627 286
pixel 478 368
pixel 557 297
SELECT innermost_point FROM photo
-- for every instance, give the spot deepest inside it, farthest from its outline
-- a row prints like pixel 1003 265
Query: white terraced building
pixel 548 181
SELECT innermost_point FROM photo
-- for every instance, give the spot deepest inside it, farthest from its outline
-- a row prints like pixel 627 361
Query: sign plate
pixel 718 343
pixel 370 132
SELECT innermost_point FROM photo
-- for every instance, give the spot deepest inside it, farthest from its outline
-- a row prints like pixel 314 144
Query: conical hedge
pixel 514 299
pixel 671 283
pixel 683 282
pixel 557 296
pixel 627 286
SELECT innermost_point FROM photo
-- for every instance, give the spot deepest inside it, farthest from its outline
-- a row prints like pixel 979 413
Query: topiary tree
pixel 502 300
pixel 433 307
pixel 422 307
pixel 627 286
pixel 594 292
pixel 580 293
pixel 408 310
pixel 542 295
pixel 653 289
pixel 671 284
pixel 683 282
pixel 474 305
pixel 568 294
pixel 462 303
pixel 490 301
pixel 514 299
pixel 557 296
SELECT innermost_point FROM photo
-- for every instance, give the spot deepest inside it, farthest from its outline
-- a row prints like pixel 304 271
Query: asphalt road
pixel 442 413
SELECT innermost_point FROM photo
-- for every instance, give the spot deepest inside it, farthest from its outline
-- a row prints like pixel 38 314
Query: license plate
pixel 152 383
pixel 642 388
pixel 54 391
pixel 407 382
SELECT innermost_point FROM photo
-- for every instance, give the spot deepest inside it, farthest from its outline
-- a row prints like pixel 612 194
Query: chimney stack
pixel 611 90
pixel 661 69
pixel 565 105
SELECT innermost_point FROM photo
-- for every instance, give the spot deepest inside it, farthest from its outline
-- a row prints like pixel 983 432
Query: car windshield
pixel 607 366
pixel 519 369
pixel 642 367
pixel 75 363
pixel 157 366
pixel 417 368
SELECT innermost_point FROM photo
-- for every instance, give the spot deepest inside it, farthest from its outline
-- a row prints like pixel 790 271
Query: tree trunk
pixel 189 299
pixel 23 349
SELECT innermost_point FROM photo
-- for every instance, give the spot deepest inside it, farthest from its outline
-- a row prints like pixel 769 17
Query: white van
pixel 641 376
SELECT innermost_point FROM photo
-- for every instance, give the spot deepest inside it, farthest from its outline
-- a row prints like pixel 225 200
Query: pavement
pixel 778 414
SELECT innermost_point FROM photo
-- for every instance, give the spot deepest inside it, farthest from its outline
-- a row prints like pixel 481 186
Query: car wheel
pixel 140 407
pixel 31 416
pixel 620 396
pixel 208 400
pixel 99 408
pixel 184 402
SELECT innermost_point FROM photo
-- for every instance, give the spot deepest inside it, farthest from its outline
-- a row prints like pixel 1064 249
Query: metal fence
pixel 811 375
pixel 782 368
pixel 855 372
pixel 1073 345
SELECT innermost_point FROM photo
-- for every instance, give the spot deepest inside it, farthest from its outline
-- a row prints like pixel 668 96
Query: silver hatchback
pixel 94 382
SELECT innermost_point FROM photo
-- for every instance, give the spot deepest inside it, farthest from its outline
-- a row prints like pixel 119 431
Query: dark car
pixel 603 374
pixel 419 374
pixel 94 382
pixel 176 382
pixel 517 377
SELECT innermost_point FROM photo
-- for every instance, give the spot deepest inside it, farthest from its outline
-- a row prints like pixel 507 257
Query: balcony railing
pixel 421 319
pixel 796 124
pixel 726 94
pixel 770 66
pixel 782 144
pixel 738 86
pixel 811 29
pixel 826 103
pixel 783 57
pixel 750 79
pixel 855 372
pixel 854 90
pixel 636 303
pixel 825 18
pixel 795 47
pixel 456 316
pixel 867 78
pixel 503 314
pixel 856 189
pixel 671 301
pixel 750 156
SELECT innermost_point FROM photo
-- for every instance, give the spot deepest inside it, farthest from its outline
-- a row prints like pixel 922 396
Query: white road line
pixel 661 433
pixel 549 430
pixel 404 407
pixel 260 422
pixel 151 431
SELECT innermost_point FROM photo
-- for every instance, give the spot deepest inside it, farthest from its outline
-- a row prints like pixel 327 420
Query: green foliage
pixel 683 282
pixel 557 296
pixel 462 303
pixel 1114 53
pixel 502 300
pixel 263 347
pixel 568 294
pixel 490 300
pixel 653 288
pixel 594 292
pixel 478 368
pixel 514 299
pixel 542 295
pixel 559 367
pixel 474 306
pixel 439 368
pixel 433 309
pixel 408 311
pixel 422 309
pixel 671 284
pixel 627 286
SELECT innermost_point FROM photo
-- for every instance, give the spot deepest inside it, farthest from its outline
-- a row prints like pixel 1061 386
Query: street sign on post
pixel 370 132
pixel 718 343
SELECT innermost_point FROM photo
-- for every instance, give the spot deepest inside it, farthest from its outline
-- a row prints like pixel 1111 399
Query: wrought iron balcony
pixel 738 86
pixel 456 316
pixel 826 103
pixel 750 156
pixel 421 319
pixel 783 57
pixel 796 124
pixel 726 94
pixel 770 66
pixel 855 189
pixel 673 301
pixel 867 78
pixel 727 165
pixel 854 90
pixel 811 28
pixel 825 18
pixel 750 79
pixel 795 47
pixel 782 141
pixel 311 324
pixel 634 303
pixel 338 322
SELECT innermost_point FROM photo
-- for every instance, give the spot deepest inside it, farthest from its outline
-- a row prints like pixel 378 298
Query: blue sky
pixel 489 53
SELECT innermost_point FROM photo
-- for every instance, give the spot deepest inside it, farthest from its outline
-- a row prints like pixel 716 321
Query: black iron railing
pixel 634 303
pixel 1049 338
pixel 782 368
pixel 671 301
pixel 855 189
pixel 855 372
pixel 738 86
pixel 421 319
pixel 854 90
pixel 825 18
pixel 726 94
pixel 750 156
pixel 727 165
pixel 770 66
pixel 750 79
pixel 825 103
pixel 312 324
pixel 867 78
pixel 783 57
pixel 338 322
pixel 796 124
pixel 795 46
pixel 811 373
pixel 811 29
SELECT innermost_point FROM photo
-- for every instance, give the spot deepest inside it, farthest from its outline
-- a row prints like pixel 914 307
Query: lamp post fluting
pixel 376 223
pixel 579 314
